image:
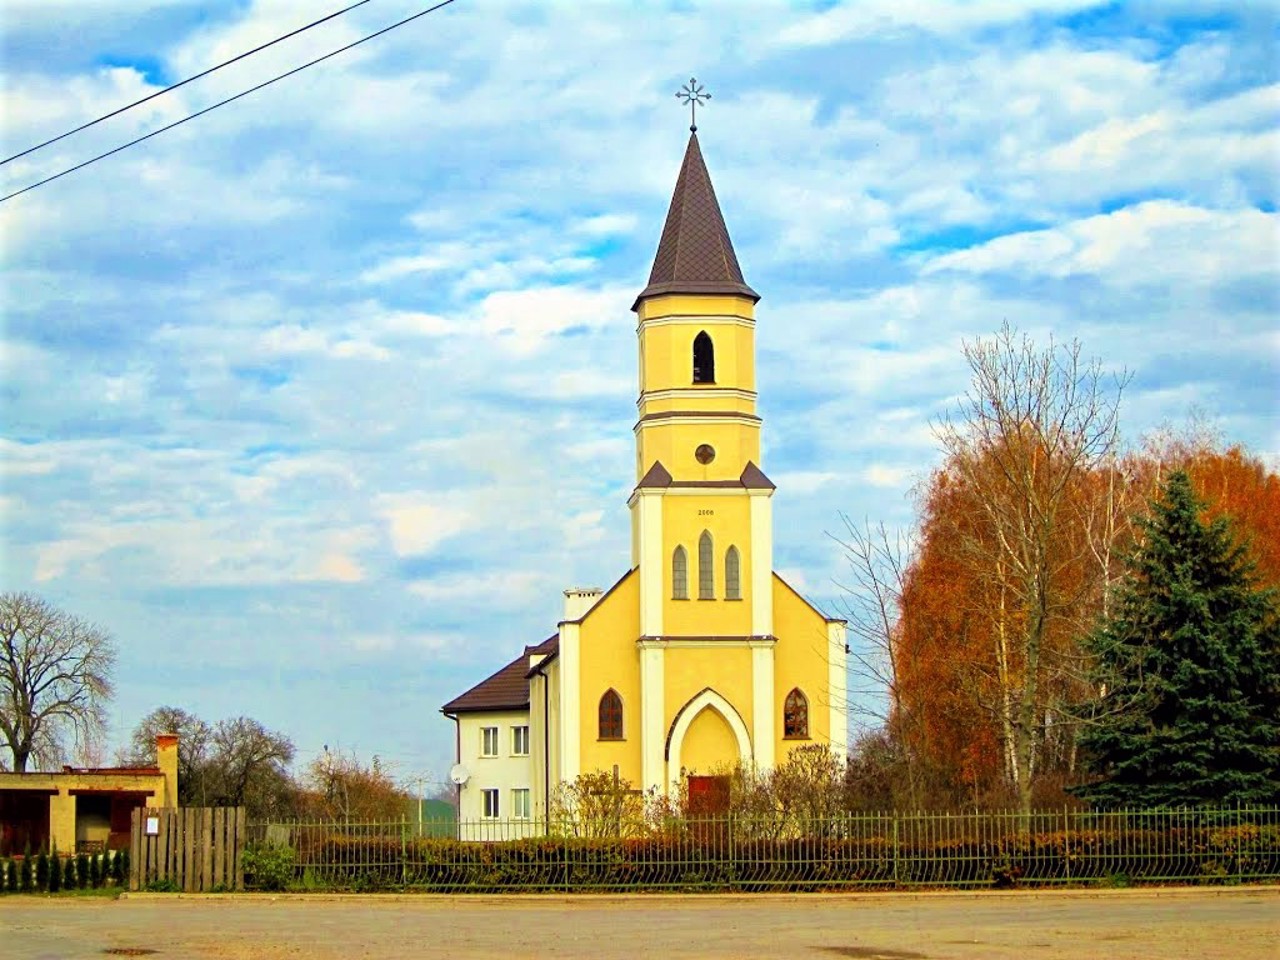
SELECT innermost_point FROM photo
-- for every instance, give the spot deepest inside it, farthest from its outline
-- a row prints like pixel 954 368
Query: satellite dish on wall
pixel 459 774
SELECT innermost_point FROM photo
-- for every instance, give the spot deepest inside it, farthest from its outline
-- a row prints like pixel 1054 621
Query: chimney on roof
pixel 579 600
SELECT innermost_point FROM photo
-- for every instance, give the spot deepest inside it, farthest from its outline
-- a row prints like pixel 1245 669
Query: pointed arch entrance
pixel 707 699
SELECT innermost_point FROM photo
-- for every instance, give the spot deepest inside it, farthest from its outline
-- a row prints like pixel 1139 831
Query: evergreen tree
pixel 82 871
pixel 24 873
pixel 55 872
pixel 42 871
pixel 69 874
pixel 12 872
pixel 1189 669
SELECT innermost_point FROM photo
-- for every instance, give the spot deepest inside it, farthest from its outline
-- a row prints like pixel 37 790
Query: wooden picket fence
pixel 192 849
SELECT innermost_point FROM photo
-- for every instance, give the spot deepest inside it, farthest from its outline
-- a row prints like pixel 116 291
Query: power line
pixel 182 83
pixel 223 103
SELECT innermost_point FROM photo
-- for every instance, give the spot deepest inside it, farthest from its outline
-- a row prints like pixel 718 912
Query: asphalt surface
pixel 1229 923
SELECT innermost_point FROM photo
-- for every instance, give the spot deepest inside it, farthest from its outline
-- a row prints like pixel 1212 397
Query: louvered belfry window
pixel 611 716
pixel 704 359
pixel 680 574
pixel 732 575
pixel 706 567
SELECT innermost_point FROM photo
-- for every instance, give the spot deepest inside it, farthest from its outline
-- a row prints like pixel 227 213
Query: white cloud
pixel 872 18
pixel 417 526
pixel 1152 242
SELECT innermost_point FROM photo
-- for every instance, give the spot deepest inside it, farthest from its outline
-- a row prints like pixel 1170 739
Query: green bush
pixel 82 871
pixel 42 871
pixel 95 871
pixel 10 884
pixel 55 873
pixel 268 866
pixel 120 867
pixel 69 874
pixel 24 874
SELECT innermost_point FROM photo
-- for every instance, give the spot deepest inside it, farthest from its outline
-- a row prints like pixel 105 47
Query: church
pixel 699 656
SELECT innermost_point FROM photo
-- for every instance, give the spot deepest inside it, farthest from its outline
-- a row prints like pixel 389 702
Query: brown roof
pixel 508 689
pixel 695 254
pixel 753 478
pixel 658 476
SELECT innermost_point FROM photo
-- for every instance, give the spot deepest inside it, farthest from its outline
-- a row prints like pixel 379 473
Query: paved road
pixel 1232 924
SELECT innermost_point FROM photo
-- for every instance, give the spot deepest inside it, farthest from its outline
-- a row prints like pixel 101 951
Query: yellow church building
pixel 700 656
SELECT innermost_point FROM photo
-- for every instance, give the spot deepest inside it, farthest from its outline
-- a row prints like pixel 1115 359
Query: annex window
pixel 488 741
pixel 732 575
pixel 520 803
pixel 706 567
pixel 704 359
pixel 491 804
pixel 611 716
pixel 680 574
pixel 795 716
pixel 519 741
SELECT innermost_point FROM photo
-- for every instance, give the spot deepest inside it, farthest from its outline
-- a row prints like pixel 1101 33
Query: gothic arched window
pixel 680 574
pixel 795 716
pixel 611 716
pixel 704 359
pixel 706 567
pixel 732 575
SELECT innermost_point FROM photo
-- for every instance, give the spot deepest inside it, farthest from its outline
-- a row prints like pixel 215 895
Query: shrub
pixel 120 867
pixel 69 874
pixel 11 877
pixel 42 871
pixel 24 874
pixel 268 866
pixel 95 871
pixel 55 873
pixel 82 871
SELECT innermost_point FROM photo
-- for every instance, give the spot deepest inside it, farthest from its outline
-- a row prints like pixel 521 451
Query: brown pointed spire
pixel 695 254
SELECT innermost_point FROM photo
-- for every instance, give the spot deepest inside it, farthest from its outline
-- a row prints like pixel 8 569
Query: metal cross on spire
pixel 694 95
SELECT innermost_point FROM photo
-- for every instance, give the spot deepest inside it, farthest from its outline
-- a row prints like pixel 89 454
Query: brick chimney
pixel 167 761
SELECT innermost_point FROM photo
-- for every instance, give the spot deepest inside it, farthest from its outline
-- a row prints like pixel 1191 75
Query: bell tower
pixel 701 519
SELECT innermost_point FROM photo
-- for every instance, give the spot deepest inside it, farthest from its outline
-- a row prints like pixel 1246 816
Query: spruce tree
pixel 82 871
pixel 1189 667
pixel 42 871
pixel 69 874
pixel 12 884
pixel 55 872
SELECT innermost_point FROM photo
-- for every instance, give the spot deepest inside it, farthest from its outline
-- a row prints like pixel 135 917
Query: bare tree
pixel 194 737
pixel 55 679
pixel 250 765
pixel 1032 426
pixel 872 604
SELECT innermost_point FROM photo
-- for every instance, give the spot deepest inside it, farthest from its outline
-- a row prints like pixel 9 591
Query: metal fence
pixel 891 850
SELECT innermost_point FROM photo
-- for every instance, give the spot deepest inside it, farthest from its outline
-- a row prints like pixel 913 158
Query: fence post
pixel 1066 841
pixel 894 848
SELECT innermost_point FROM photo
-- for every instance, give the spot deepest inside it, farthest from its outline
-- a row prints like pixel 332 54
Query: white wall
pixel 503 773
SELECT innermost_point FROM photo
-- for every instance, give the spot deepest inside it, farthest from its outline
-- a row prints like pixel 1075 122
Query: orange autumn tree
pixel 1232 483
pixel 1009 524
pixel 948 636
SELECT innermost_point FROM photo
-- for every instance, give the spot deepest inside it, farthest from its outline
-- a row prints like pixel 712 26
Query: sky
pixel 318 402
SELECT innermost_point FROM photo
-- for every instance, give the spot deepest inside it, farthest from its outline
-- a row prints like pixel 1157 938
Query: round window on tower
pixel 705 453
